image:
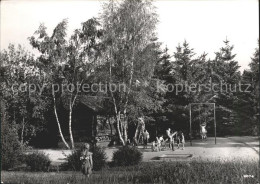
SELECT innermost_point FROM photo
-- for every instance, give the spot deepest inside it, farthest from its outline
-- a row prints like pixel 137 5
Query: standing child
pixel 146 137
pixel 172 140
pixel 180 139
pixel 168 133
pixel 183 140
pixel 87 162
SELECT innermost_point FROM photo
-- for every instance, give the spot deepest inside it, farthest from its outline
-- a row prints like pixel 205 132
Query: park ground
pixel 227 150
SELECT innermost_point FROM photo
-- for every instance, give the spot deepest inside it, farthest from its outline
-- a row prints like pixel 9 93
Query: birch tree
pixel 71 61
pixel 129 31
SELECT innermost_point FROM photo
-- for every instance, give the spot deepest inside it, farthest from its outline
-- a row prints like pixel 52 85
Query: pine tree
pixel 185 70
pixel 227 68
pixel 249 100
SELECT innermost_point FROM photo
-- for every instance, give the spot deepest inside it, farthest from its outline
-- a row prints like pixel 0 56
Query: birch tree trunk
pixel 58 123
pixel 118 128
pixel 128 92
pixel 125 132
pixel 137 132
pixel 72 102
pixel 116 109
pixel 70 129
pixel 125 126
pixel 118 122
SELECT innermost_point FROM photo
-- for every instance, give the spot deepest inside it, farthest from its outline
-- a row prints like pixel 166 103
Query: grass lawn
pixel 199 172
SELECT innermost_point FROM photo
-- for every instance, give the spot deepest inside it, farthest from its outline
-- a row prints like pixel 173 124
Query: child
pixel 146 137
pixel 155 146
pixel 87 162
pixel 161 139
pixel 172 140
pixel 162 142
pixel 180 139
pixel 168 133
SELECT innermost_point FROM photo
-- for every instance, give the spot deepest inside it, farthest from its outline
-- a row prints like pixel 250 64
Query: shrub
pixel 73 161
pixel 37 161
pixel 99 159
pixel 126 156
pixel 11 148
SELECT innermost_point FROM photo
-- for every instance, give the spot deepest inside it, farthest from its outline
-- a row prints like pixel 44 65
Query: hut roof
pixel 96 103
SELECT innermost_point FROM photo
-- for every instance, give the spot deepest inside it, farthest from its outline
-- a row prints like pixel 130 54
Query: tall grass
pixel 194 172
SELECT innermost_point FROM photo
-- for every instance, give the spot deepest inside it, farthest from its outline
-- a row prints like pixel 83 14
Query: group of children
pixel 161 142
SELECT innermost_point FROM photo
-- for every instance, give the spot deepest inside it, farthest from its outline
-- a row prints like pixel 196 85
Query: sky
pixel 205 24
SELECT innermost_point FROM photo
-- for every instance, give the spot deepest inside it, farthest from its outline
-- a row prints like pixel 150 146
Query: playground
pixel 203 148
pixel 227 148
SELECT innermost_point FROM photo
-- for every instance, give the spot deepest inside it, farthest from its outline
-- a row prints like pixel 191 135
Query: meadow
pixel 193 172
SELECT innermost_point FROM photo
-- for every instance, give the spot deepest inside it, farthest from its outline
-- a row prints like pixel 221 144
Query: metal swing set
pixel 191 119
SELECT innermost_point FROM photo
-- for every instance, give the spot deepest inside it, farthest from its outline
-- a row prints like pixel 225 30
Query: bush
pixel 37 161
pixel 99 159
pixel 126 156
pixel 73 161
pixel 11 151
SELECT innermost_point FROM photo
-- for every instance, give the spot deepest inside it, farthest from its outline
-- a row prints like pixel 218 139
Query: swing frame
pixel 215 126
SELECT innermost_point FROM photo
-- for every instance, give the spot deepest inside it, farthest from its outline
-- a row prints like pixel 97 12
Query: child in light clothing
pixel 154 146
pixel 146 137
pixel 86 159
pixel 162 142
pixel 158 141
pixel 180 139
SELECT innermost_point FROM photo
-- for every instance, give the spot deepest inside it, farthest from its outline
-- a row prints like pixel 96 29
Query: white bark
pixel 118 122
pixel 70 129
pixel 118 128
pixel 72 102
pixel 125 132
pixel 58 123
pixel 136 131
